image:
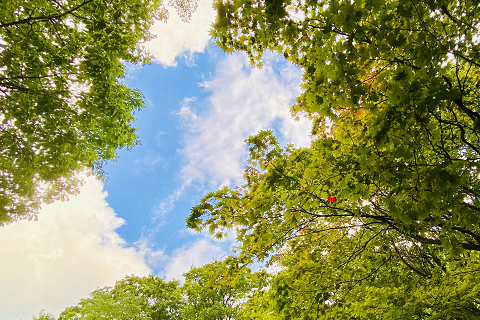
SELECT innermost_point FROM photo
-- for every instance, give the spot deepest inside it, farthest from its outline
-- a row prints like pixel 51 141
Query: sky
pixel 201 104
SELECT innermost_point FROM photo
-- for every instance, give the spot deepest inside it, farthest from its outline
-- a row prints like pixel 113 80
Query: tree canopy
pixel 131 298
pixel 63 106
pixel 211 293
pixel 379 218
pixel 207 294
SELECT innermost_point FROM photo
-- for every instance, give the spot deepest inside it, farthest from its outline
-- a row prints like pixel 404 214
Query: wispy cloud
pixel 188 118
pixel 160 211
pixel 149 162
pixel 146 247
pixel 197 254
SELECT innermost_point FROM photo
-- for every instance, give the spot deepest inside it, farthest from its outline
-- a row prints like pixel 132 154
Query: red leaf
pixel 331 199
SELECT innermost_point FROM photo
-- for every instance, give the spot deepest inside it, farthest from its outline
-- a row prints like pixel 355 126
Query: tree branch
pixel 44 18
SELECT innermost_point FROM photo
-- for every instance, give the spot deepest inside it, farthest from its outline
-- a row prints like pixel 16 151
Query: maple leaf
pixel 331 199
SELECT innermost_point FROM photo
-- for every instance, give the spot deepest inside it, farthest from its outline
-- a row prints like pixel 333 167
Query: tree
pixel 388 194
pixel 63 106
pixel 212 294
pixel 207 294
pixel 44 316
pixel 339 262
pixel 131 298
pixel 372 284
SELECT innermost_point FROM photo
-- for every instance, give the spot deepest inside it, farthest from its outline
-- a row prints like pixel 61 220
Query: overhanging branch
pixel 44 18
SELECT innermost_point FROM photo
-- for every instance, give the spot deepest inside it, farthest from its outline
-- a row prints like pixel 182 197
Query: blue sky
pixel 142 177
pixel 201 105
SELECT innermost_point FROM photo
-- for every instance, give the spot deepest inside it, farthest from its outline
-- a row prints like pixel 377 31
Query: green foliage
pixel 131 298
pixel 44 316
pixel 62 104
pixel 391 87
pixel 208 294
pixel 211 293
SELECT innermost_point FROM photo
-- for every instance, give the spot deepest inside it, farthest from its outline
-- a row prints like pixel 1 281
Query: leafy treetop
pixel 206 294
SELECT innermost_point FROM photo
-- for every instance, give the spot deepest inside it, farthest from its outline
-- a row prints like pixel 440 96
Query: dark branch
pixel 44 18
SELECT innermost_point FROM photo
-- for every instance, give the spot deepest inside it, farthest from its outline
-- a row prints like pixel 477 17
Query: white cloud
pixel 160 211
pixel 153 257
pixel 199 253
pixel 149 162
pixel 188 118
pixel 175 37
pixel 70 251
pixel 243 101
